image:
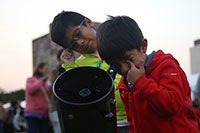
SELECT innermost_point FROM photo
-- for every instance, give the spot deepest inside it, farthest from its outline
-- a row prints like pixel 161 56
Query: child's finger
pixel 132 66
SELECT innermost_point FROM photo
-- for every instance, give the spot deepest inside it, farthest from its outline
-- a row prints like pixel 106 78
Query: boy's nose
pixel 80 42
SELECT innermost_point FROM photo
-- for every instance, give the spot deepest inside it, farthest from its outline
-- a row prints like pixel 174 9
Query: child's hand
pixel 134 73
pixel 67 56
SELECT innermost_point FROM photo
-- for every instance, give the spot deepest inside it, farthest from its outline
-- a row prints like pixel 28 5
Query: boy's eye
pixel 131 59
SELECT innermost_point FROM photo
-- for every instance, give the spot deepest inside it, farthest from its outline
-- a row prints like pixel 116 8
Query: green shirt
pixel 92 60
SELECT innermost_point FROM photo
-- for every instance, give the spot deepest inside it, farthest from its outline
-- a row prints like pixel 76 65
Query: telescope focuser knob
pixel 111 70
pixel 71 116
pixel 112 101
pixel 109 116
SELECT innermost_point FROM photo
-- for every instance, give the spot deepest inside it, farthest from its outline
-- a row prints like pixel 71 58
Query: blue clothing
pixel 36 115
pixel 35 125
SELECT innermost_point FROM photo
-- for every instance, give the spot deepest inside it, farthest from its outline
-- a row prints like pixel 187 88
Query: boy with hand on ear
pixel 154 88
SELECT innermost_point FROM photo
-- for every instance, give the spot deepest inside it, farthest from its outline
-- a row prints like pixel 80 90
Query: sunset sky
pixel 170 25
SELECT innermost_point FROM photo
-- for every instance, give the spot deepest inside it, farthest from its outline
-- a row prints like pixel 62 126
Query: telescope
pixel 85 100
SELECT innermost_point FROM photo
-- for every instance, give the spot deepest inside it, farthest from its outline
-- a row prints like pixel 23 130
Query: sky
pixel 170 25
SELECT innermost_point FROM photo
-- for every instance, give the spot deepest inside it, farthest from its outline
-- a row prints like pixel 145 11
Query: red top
pixel 35 98
pixel 160 101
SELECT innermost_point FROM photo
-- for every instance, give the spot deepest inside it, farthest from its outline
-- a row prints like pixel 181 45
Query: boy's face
pixel 138 58
pixel 86 41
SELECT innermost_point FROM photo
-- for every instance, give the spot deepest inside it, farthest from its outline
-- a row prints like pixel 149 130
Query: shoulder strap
pixel 45 94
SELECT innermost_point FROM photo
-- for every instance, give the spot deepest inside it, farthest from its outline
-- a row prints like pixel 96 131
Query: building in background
pixel 195 67
pixel 45 50
pixel 195 57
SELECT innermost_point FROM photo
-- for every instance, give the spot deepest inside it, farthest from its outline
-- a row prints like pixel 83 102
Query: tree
pixel 15 95
pixel 1 93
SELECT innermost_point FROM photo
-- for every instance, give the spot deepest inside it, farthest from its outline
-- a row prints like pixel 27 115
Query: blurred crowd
pixel 39 114
pixel 12 119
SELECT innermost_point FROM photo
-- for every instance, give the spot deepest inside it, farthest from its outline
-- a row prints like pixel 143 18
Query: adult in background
pixel 37 92
pixel 8 122
pixel 2 113
pixel 196 103
pixel 19 121
pixel 198 87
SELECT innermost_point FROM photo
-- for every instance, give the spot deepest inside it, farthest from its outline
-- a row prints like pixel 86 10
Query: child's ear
pixel 89 22
pixel 144 45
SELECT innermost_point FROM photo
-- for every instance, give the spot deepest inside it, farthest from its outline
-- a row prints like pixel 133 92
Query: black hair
pixel 59 54
pixel 13 103
pixel 61 23
pixel 117 35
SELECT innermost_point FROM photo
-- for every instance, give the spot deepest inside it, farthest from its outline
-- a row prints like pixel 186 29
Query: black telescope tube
pixel 112 71
pixel 86 104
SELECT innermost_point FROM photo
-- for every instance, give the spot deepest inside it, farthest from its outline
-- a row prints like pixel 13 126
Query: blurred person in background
pixel 19 121
pixel 196 102
pixel 2 115
pixel 37 105
pixel 8 122
pixel 197 87
pixel 54 74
